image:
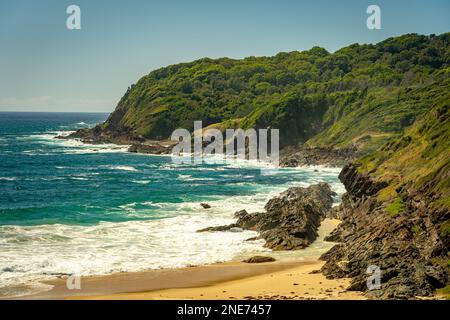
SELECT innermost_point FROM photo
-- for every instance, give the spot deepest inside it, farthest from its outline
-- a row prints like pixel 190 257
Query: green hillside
pixel 361 94
pixel 418 161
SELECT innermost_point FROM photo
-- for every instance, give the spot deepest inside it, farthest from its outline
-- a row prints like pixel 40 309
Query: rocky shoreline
pixel 312 156
pixel 290 220
pixel 410 261
pixel 136 144
pixel 407 249
pixel 290 156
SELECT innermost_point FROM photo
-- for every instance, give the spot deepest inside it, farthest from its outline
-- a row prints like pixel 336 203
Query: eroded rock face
pixel 291 219
pixel 304 156
pixel 405 247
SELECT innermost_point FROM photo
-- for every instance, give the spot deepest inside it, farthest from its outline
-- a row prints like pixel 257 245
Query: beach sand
pixel 283 279
pixel 296 282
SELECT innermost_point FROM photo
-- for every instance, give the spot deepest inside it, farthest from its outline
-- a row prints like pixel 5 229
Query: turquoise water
pixel 68 207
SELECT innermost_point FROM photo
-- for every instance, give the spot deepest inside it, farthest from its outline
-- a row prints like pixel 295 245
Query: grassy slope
pixel 382 115
pixel 418 160
pixel 416 166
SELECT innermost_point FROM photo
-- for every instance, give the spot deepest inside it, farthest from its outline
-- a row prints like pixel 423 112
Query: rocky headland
pixel 381 111
pixel 408 248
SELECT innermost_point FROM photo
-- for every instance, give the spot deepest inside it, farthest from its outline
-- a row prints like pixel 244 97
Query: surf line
pixel 250 144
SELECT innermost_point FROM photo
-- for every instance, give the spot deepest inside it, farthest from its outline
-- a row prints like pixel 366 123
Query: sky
pixel 46 67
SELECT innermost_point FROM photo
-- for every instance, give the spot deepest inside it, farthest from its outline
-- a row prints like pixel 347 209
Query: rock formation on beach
pixel 259 259
pixel 290 220
pixel 403 247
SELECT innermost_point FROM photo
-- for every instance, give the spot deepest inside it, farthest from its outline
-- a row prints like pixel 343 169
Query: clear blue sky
pixel 46 67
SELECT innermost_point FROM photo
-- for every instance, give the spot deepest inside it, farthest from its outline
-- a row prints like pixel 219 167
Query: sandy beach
pixel 294 283
pixel 295 278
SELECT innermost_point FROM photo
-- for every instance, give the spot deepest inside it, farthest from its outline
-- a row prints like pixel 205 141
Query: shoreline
pixel 287 278
pixel 240 281
pixel 290 156
pixel 116 285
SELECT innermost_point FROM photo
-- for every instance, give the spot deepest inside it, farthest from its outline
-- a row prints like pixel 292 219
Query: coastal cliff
pixel 380 111
pixel 396 214
pixel 330 107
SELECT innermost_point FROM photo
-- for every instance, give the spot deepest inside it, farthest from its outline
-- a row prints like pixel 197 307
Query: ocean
pixel 73 208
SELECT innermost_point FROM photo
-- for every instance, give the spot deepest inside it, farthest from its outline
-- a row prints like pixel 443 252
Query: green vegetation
pixel 361 95
pixel 445 231
pixel 389 100
pixel 417 230
pixel 444 292
pixel 396 207
pixel 417 160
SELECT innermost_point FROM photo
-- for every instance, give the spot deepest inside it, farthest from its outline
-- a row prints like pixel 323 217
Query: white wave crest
pixel 123 168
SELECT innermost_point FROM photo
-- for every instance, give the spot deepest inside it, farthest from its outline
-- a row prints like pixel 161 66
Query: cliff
pixel 356 98
pixel 396 213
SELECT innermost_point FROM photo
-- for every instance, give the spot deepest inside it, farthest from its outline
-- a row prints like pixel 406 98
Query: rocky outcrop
pixel 150 148
pixel 137 144
pixel 259 259
pixel 406 248
pixel 290 220
pixel 229 227
pixel 359 184
pixel 98 135
pixel 290 156
pixel 306 156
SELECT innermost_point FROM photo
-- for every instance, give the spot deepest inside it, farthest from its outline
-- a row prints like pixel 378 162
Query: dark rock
pixel 205 205
pixel 291 219
pixel 359 184
pixel 306 156
pixel 240 213
pixel 219 228
pixel 259 259
pixel 122 136
pixel 368 235
pixel 334 236
pixel 98 135
pixel 315 272
pixel 150 148
pixel 248 220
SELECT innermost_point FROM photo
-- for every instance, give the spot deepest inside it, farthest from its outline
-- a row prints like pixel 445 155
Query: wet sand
pixel 160 279
pixel 283 279
pixel 296 282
